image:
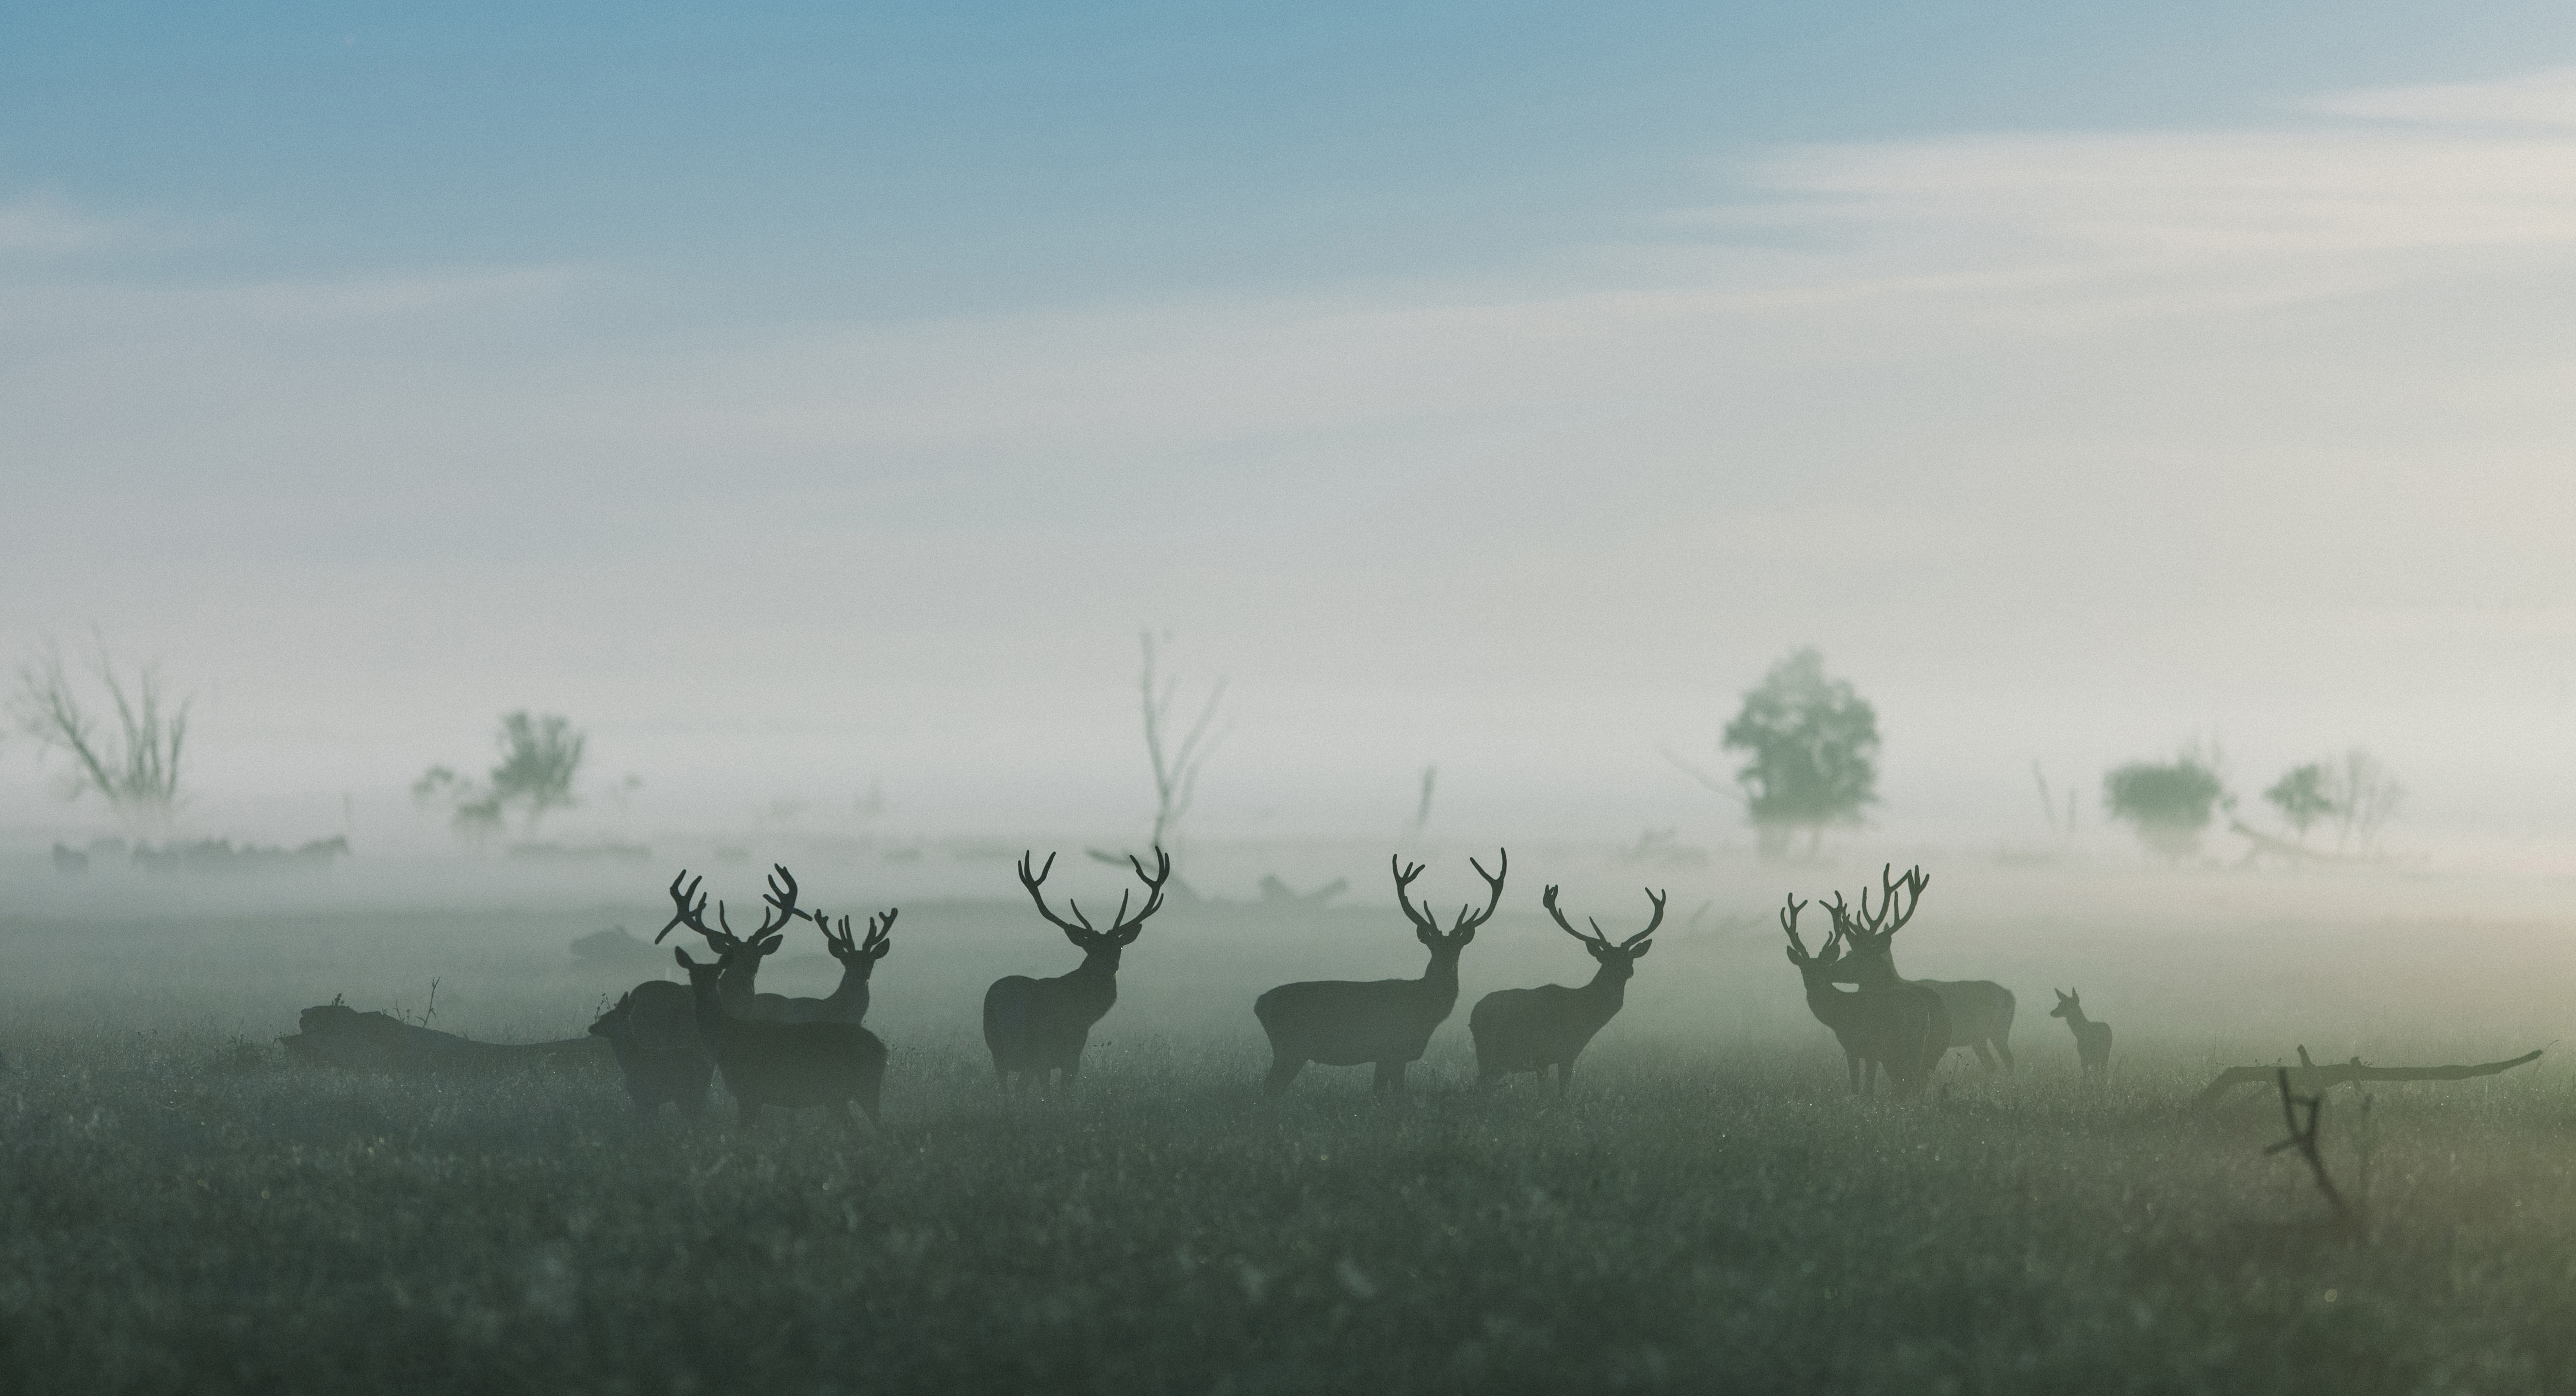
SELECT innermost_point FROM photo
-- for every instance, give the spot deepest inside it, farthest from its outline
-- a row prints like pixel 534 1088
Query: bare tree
pixel 135 769
pixel 1176 767
pixel 2364 795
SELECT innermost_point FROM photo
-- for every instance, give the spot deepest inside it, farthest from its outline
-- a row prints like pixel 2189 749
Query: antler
pixel 1468 917
pixel 1494 888
pixel 1798 948
pixel 1404 875
pixel 1887 921
pixel 1123 929
pixel 693 916
pixel 1548 900
pixel 844 946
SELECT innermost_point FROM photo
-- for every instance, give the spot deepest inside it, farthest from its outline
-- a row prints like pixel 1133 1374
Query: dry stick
pixel 2320 1077
pixel 2304 1139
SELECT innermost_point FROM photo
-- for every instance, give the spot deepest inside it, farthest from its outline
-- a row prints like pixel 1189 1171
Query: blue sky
pixel 975 156
pixel 806 398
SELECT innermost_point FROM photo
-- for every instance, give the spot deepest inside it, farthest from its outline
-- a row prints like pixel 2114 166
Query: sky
pixel 806 399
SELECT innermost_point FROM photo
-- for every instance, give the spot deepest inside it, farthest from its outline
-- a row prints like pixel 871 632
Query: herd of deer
pixel 670 1040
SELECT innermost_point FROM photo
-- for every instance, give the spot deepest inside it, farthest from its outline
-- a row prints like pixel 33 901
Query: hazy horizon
pixel 1512 413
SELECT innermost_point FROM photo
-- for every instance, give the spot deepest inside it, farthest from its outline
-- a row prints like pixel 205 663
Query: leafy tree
pixel 136 768
pixel 2167 804
pixel 539 757
pixel 2302 797
pixel 1811 747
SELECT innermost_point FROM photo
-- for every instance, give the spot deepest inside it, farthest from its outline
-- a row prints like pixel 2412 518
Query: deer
pixel 741 958
pixel 653 1031
pixel 1384 1023
pixel 2092 1038
pixel 1037 1028
pixel 1980 1010
pixel 767 1063
pixel 858 956
pixel 1534 1029
pixel 1902 1028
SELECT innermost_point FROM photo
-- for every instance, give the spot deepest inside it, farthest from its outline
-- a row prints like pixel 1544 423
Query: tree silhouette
pixel 136 769
pixel 539 757
pixel 1811 746
pixel 2167 804
pixel 2302 797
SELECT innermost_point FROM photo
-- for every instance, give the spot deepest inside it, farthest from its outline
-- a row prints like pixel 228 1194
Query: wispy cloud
pixel 37 227
pixel 2545 98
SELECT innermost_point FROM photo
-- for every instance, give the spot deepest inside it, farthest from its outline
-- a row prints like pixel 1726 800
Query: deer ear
pixel 770 945
pixel 683 957
pixel 1640 952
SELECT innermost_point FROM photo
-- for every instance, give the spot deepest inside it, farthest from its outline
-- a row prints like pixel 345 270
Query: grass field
pixel 180 1211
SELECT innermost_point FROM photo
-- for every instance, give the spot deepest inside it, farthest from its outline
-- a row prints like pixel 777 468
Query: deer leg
pixel 1564 1074
pixel 1984 1054
pixel 1851 1063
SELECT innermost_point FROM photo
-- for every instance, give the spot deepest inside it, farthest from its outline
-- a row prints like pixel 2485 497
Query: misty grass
pixel 186 1214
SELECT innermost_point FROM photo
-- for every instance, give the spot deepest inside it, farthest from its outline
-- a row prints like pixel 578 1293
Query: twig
pixel 2303 1137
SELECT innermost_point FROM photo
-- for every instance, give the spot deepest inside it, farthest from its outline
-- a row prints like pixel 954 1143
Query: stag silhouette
pixel 653 1031
pixel 1038 1027
pixel 1902 1029
pixel 858 956
pixel 1980 1010
pixel 1534 1029
pixel 836 1065
pixel 1385 1022
pixel 741 957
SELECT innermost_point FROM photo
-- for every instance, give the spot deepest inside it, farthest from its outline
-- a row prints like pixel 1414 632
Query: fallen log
pixel 2311 1079
pixel 335 1034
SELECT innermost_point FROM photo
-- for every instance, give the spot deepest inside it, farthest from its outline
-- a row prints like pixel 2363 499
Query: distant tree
pixel 2168 804
pixel 1176 764
pixel 2302 797
pixel 1811 746
pixel 136 768
pixel 2363 795
pixel 540 755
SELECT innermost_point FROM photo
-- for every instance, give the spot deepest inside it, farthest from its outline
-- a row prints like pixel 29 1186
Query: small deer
pixel 1037 1028
pixel 794 1065
pixel 1980 1010
pixel 1902 1028
pixel 858 956
pixel 1534 1029
pixel 1386 1022
pixel 740 957
pixel 2092 1038
pixel 654 1032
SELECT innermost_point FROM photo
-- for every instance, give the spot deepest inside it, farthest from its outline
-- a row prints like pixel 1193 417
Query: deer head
pixel 1818 968
pixel 1096 944
pixel 1447 945
pixel 859 955
pixel 1871 935
pixel 2069 1006
pixel 1617 960
pixel 704 979
pixel 690 910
